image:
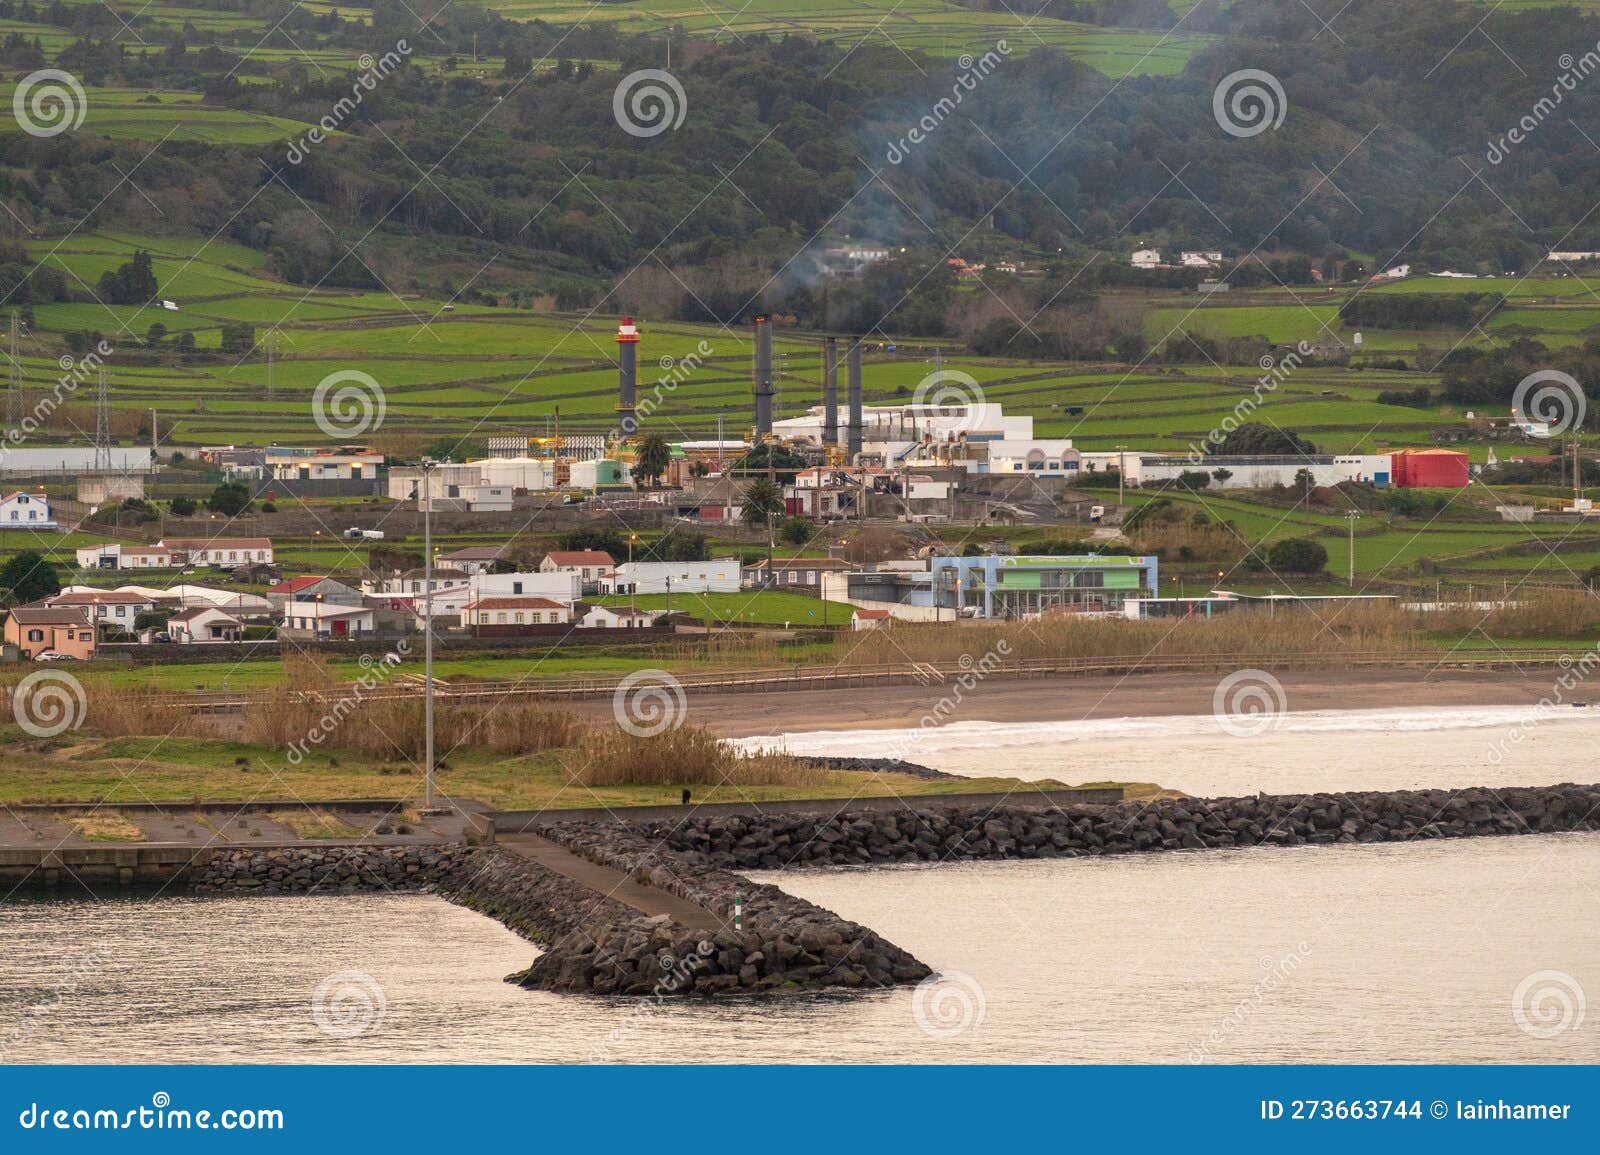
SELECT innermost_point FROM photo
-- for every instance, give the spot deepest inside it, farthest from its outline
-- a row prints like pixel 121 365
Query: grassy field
pixel 179 770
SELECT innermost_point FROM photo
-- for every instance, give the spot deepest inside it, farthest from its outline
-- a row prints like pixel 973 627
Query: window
pixel 516 587
pixel 500 618
pixel 122 611
pixel 36 635
pixel 517 617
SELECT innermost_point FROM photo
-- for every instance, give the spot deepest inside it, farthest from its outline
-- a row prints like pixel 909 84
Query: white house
pixel 115 555
pixel 472 560
pixel 512 612
pixel 1201 260
pixel 415 583
pixel 106 607
pixel 204 625
pixel 1146 259
pixel 312 465
pixel 221 551
pixel 588 564
pixel 869 619
pixel 719 575
pixel 26 511
pixel 561 586
pixel 320 620
pixel 619 618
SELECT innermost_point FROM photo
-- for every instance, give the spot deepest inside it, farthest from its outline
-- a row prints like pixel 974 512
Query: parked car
pixel 55 656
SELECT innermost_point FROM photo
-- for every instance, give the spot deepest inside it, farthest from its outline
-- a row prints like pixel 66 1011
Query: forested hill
pixel 787 144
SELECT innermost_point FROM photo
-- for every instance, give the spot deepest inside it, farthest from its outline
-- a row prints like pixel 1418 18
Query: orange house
pixel 38 629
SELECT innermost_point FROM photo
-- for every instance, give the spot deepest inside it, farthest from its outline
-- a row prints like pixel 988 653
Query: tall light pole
pixel 1122 471
pixel 633 578
pixel 428 466
pixel 1352 516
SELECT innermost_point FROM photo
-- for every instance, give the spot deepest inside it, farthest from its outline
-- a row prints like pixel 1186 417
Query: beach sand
pixel 1076 698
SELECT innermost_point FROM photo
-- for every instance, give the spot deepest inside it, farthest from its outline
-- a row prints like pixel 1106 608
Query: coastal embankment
pixel 759 939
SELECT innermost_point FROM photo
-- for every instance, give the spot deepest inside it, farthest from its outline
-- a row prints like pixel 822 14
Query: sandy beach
pixel 1077 699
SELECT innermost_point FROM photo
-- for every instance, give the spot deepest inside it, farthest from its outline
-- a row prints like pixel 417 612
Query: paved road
pixel 609 882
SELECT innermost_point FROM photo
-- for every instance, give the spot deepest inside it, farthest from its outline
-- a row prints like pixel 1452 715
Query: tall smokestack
pixel 627 377
pixel 763 378
pixel 853 441
pixel 830 392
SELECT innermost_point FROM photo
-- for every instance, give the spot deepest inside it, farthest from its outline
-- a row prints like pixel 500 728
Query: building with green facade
pixel 1019 587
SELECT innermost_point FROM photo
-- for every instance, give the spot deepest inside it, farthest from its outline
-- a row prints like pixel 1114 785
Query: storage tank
pixel 1431 469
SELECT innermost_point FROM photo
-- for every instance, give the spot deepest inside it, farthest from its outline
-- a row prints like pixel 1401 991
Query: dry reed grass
pixel 688 756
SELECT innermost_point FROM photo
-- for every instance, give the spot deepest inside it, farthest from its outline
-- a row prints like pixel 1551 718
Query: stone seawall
pixel 591 943
pixel 790 841
pixel 595 944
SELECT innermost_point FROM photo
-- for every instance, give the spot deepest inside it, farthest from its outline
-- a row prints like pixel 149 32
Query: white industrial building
pixel 912 423
pixel 74 460
pixel 489 483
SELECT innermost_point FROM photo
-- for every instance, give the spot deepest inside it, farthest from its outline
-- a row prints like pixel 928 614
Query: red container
pixel 1430 469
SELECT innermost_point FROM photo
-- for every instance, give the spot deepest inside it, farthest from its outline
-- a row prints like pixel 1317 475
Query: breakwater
pixel 788 841
pixel 765 940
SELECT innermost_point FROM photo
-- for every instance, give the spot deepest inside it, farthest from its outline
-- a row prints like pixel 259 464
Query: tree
pixel 134 283
pixel 181 506
pixel 785 461
pixel 698 468
pixel 1297 555
pixel 29 576
pixel 1254 438
pixel 762 501
pixel 651 459
pixel 796 530
pixel 229 499
pixel 605 540
pixel 1222 475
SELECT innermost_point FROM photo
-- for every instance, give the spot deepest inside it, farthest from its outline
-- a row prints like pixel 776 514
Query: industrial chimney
pixel 853 442
pixel 627 377
pixel 830 392
pixel 763 378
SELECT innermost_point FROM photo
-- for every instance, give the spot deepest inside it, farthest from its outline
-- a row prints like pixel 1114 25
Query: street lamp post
pixel 633 578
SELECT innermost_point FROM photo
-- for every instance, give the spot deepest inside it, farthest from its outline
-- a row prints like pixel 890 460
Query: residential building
pixel 588 564
pixel 799 571
pixel 40 629
pixel 106 607
pixel 204 626
pixel 312 588
pixel 21 510
pixel 719 575
pixel 415 584
pixel 564 586
pixel 219 551
pixel 472 560
pixel 620 618
pixel 492 616
pixel 1146 259
pixel 115 555
pixel 318 620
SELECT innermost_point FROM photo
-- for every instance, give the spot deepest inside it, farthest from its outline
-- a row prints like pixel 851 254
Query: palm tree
pixel 652 458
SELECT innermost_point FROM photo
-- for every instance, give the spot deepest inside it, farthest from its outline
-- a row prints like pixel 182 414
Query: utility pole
pixel 102 423
pixel 1122 471
pixel 633 578
pixel 14 390
pixel 427 624
pixel 271 333
pixel 1352 516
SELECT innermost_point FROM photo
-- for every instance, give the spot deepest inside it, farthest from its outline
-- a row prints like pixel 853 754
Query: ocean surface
pixel 1290 753
pixel 1461 951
